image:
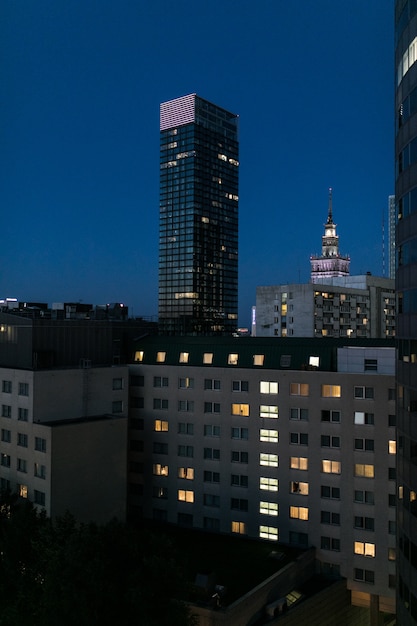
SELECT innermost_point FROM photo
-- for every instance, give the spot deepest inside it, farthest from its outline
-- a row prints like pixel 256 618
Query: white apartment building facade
pixel 288 441
pixel 63 437
pixel 351 306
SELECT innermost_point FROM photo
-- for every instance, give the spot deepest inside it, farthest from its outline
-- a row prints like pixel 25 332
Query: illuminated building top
pixel 330 263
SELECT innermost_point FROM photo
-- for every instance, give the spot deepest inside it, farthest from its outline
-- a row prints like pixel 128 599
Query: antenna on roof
pixel 330 215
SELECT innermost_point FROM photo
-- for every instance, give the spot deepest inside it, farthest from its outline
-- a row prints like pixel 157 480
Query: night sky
pixel 81 83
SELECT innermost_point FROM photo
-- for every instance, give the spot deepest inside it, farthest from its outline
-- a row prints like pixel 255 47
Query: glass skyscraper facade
pixel 406 285
pixel 198 229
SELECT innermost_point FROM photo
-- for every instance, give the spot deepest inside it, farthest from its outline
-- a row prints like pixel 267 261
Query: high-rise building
pixel 391 237
pixel 406 285
pixel 198 232
pixel 330 263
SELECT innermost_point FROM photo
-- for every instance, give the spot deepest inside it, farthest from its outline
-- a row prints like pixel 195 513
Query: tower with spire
pixel 330 263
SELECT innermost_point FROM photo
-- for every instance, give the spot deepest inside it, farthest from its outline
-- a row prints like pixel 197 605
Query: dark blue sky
pixel 80 90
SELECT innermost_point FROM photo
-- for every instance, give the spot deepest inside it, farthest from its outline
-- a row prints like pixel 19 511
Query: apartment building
pixel 63 413
pixel 286 440
pixel 351 306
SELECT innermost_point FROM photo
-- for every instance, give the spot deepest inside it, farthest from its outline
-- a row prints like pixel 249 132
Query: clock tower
pixel 330 263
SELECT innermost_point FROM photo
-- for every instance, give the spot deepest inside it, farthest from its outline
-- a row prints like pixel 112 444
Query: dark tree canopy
pixel 59 572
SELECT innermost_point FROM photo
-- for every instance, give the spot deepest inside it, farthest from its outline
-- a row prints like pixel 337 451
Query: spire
pixel 330 215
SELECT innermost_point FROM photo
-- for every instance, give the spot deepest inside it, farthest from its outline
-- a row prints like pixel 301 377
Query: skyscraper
pixel 198 231
pixel 406 285
pixel 391 236
pixel 330 263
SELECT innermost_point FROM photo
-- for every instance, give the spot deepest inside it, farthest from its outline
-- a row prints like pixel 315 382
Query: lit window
pixel 331 391
pixel 364 418
pixel 299 512
pixel 392 446
pixel 268 508
pixel 161 426
pixel 139 356
pixel 268 387
pixel 233 359
pixel 186 383
pixel 240 409
pixel 299 462
pixel 239 528
pixel 185 496
pixel 364 549
pixel 186 472
pixel 270 411
pixel 160 357
pixel 391 554
pixel 23 491
pixel 300 488
pixel 208 358
pixel 299 389
pixel 331 467
pixel 314 361
pixel 258 359
pixel 270 460
pixel 184 357
pixel 366 471
pixel 268 532
pixel 268 484
pixel 270 436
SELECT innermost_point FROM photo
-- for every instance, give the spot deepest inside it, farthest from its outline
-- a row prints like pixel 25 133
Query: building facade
pixel 289 441
pixel 198 232
pixel 406 284
pixel 350 306
pixel 391 236
pixel 330 263
pixel 63 411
